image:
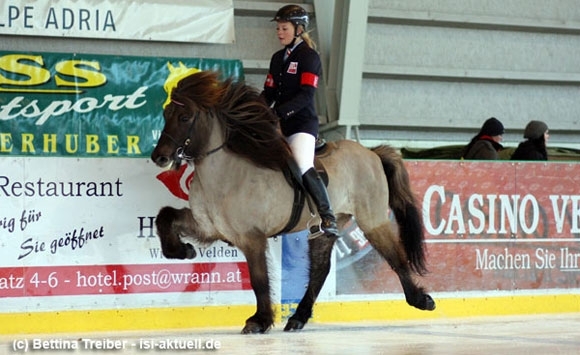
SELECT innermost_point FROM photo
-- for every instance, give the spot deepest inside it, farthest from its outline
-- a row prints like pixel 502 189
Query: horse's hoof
pixel 429 303
pixel 254 328
pixel 190 251
pixel 293 325
pixel 426 304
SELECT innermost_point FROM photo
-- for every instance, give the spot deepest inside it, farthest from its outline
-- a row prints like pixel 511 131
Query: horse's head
pixel 187 114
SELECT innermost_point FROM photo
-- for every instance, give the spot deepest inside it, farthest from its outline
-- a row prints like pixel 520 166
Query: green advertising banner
pixel 87 105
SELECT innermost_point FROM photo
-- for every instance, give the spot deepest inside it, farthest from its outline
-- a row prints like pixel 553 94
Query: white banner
pixel 76 230
pixel 204 21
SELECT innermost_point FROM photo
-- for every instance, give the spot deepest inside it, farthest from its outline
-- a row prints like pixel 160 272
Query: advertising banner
pixel 86 105
pixel 490 226
pixel 85 228
pixel 200 21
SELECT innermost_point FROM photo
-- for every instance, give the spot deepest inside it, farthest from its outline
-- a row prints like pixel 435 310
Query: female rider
pixel 289 89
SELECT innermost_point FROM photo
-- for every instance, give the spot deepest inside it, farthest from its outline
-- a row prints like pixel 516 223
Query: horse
pixel 241 195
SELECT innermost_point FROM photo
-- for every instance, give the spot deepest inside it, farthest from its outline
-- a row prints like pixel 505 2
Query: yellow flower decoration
pixel 175 75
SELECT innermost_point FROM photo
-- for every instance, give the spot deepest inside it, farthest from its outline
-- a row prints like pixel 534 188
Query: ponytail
pixel 306 38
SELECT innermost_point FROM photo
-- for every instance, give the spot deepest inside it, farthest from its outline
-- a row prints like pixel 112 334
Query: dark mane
pixel 251 129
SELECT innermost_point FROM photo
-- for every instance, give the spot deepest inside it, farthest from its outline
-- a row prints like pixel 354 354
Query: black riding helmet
pixel 294 14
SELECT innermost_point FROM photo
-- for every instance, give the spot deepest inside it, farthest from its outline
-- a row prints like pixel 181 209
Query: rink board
pixel 119 280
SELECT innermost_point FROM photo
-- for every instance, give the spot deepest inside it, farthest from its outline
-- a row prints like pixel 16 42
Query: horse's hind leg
pixel 387 244
pixel 320 250
pixel 171 223
pixel 255 254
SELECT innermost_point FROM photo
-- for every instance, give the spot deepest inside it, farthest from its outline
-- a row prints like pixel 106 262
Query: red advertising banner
pixel 489 226
pixel 122 279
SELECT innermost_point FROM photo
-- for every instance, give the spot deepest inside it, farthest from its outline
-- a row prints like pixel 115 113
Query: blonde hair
pixel 309 41
pixel 306 38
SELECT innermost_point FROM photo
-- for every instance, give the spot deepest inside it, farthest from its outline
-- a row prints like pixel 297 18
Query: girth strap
pixel 294 179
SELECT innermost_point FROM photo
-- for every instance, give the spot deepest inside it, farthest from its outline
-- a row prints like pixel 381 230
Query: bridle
pixel 180 152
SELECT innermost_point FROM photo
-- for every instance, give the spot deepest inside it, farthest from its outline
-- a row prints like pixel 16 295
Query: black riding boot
pixel 317 190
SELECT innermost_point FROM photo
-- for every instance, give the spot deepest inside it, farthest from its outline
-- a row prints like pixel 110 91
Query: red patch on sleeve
pixel 270 81
pixel 309 79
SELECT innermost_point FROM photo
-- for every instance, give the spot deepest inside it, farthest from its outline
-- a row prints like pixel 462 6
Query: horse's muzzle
pixel 163 160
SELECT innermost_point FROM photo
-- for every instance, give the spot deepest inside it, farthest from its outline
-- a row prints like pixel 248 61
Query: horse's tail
pixel 404 206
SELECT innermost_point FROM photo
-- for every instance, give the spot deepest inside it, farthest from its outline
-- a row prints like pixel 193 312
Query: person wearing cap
pixel 534 147
pixel 289 89
pixel 487 143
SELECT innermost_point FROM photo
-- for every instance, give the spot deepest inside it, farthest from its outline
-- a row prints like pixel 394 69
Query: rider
pixel 290 86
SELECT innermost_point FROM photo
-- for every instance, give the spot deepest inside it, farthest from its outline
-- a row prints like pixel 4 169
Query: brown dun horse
pixel 240 195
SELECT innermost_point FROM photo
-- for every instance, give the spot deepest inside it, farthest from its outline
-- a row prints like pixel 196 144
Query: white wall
pixel 446 66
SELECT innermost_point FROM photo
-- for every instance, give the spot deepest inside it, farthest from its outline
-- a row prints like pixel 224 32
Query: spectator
pixel 486 144
pixel 534 147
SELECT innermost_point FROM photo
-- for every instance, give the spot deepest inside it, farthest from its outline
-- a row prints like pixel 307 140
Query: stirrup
pixel 316 230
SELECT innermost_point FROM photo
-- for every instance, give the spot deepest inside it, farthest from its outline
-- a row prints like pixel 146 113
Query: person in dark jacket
pixel 289 89
pixel 487 143
pixel 534 147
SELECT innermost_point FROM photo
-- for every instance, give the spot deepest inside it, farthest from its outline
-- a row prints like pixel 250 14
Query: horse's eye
pixel 184 118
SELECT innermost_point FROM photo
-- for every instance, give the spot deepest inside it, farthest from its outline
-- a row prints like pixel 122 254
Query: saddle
pixel 294 179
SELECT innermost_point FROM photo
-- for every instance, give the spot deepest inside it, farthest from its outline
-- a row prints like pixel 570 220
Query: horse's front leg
pixel 171 224
pixel 320 250
pixel 255 253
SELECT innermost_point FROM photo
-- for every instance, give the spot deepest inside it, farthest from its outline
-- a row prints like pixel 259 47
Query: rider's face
pixel 285 32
